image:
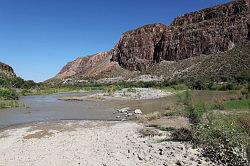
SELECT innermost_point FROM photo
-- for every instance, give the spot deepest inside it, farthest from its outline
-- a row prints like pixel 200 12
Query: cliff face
pixel 212 30
pixel 136 48
pixel 6 70
pixel 89 67
pixel 207 31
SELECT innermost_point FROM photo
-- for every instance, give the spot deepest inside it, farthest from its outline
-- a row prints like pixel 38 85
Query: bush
pixel 223 140
pixel 8 94
pixel 216 106
pixel 185 98
pixel 111 89
pixel 182 134
pixel 17 82
pixel 196 112
pixel 198 85
pixel 28 84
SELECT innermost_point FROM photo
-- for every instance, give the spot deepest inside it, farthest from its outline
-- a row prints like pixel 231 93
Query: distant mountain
pixel 194 43
pixel 6 70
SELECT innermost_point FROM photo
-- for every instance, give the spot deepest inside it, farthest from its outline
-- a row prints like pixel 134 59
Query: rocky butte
pixel 208 31
pixel 6 70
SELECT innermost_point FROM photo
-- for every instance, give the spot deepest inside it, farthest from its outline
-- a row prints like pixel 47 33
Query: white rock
pixel 123 110
pixel 138 111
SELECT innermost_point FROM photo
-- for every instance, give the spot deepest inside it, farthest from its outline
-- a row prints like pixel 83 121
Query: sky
pixel 38 37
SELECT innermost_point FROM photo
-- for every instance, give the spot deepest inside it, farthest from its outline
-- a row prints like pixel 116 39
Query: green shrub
pixel 216 106
pixel 112 89
pixel 17 82
pixel 196 112
pixel 198 85
pixel 8 94
pixel 222 139
pixel 185 98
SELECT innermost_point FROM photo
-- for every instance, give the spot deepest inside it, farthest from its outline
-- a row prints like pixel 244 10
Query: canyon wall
pixel 208 31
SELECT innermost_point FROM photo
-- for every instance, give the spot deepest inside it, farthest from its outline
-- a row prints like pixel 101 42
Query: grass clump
pixel 11 104
pixel 152 116
pixel 110 90
pixel 149 132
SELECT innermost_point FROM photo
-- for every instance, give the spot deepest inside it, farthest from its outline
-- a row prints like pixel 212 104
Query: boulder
pixel 138 111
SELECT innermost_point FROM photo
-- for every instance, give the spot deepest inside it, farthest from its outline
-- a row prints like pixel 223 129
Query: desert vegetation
pixel 224 135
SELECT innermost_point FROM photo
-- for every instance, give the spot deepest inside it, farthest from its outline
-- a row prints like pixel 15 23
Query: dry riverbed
pixel 92 143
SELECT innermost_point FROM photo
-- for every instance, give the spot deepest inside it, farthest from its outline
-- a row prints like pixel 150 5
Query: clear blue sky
pixel 38 37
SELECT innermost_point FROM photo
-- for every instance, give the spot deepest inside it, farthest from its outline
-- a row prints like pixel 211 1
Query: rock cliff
pixel 208 31
pixel 93 66
pixel 6 70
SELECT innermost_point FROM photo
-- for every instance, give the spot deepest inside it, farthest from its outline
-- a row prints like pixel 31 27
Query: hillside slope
pixel 91 67
pixel 216 66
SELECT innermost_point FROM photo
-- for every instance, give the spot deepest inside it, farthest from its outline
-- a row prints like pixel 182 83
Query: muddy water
pixel 49 108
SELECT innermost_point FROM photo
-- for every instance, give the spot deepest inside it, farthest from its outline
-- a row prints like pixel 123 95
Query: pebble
pixel 139 157
pixel 178 162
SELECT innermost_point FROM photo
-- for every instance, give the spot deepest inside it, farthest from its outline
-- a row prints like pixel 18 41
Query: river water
pixel 49 108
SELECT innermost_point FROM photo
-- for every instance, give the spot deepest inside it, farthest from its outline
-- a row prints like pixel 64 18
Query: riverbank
pixel 123 94
pixel 92 143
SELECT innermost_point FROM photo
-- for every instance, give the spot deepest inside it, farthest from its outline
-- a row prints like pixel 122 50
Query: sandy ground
pixel 124 94
pixel 92 143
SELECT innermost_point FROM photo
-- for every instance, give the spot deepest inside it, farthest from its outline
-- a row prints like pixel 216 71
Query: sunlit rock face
pixel 88 67
pixel 6 70
pixel 208 31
